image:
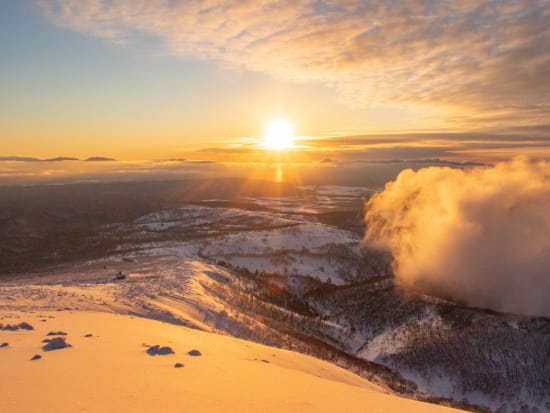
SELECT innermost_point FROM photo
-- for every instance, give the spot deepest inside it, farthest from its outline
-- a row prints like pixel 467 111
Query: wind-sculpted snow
pixel 481 236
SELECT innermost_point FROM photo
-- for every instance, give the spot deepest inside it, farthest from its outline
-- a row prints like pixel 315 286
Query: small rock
pixel 163 351
pixel 88 335
pixel 36 357
pixel 153 350
pixel 178 365
pixel 10 327
pixel 25 326
pixel 195 353
pixel 56 333
pixel 264 361
pixel 56 343
pixel 160 351
pixel 4 345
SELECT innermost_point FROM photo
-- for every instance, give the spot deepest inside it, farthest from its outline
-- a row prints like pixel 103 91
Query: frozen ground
pixel 283 242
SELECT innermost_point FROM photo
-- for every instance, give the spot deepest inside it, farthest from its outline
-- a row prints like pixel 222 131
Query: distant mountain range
pixel 99 159
pixel 57 159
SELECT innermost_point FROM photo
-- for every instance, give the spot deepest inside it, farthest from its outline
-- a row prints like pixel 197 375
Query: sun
pixel 279 135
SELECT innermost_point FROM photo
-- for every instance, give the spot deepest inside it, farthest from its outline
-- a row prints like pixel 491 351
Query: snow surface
pixel 260 241
pixel 111 371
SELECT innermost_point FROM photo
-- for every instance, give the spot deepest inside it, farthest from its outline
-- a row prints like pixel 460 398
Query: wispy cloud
pixel 490 60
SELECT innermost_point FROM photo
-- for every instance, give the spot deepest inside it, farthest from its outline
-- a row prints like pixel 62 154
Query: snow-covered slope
pixel 107 367
pixel 258 241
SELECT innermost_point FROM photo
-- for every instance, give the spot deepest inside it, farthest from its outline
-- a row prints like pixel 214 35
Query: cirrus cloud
pixel 490 60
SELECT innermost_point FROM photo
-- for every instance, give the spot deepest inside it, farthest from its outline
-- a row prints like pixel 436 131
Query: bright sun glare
pixel 279 135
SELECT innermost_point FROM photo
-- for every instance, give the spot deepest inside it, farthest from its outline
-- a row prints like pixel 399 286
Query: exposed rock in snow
pixel 56 343
pixel 157 350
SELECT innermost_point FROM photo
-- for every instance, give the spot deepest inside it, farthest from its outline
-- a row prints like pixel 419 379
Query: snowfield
pixel 263 242
pixel 198 216
pixel 110 324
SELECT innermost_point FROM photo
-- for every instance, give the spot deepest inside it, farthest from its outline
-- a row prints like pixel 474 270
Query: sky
pixel 201 79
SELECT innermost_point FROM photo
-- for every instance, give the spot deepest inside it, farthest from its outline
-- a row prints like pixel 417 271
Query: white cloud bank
pixel 481 235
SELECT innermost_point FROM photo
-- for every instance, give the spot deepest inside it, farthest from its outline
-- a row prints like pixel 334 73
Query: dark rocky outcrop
pixel 25 326
pixel 14 327
pixel 56 343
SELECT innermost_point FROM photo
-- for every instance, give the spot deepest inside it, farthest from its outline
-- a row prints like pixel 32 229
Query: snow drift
pixel 480 235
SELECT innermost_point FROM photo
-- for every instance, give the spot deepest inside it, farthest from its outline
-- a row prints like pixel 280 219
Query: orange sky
pixel 141 80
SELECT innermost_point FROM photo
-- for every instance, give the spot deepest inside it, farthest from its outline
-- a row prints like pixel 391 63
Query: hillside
pixel 111 371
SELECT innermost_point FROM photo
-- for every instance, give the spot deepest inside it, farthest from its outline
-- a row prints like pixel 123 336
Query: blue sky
pixel 139 79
